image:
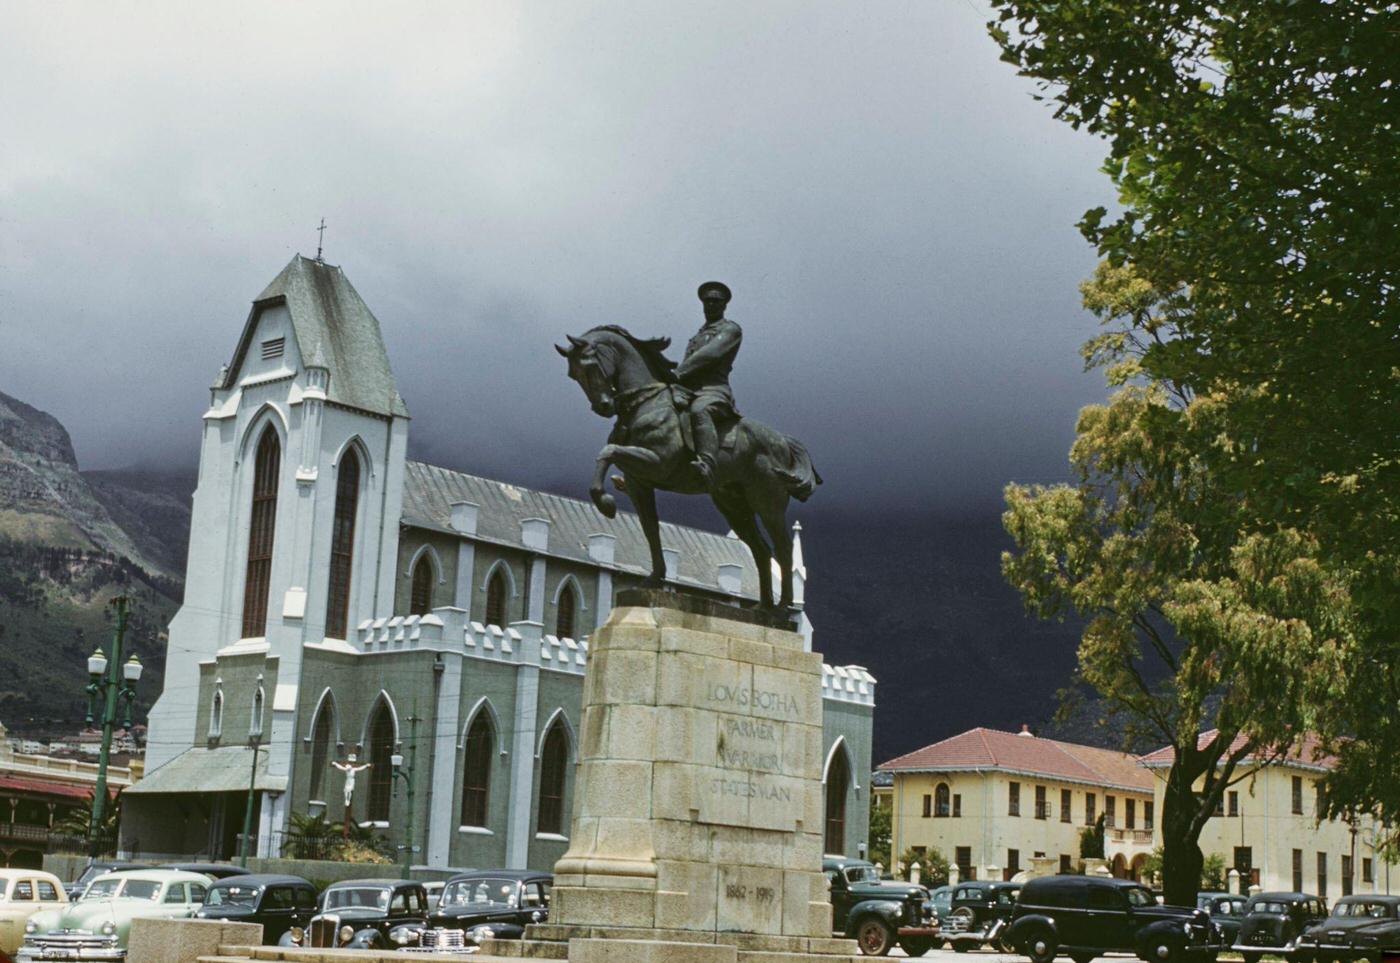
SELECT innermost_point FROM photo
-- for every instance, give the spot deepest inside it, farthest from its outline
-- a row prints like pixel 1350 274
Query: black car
pixel 96 868
pixel 1274 921
pixel 488 904
pixel 1084 917
pixel 1359 926
pixel 212 870
pixel 1226 911
pixel 978 913
pixel 359 914
pixel 279 903
pixel 878 913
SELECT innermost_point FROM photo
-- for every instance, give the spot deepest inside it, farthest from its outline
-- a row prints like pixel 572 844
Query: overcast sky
pixel 891 208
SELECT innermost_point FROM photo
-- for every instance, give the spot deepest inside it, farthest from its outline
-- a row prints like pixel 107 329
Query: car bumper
pixel 1255 948
pixel 37 954
pixel 932 932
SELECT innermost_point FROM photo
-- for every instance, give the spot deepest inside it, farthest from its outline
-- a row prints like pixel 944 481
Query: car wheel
pixel 1040 946
pixel 874 936
pixel 916 945
pixel 1164 952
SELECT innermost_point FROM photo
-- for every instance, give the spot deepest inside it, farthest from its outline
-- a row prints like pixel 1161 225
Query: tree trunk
pixel 1181 852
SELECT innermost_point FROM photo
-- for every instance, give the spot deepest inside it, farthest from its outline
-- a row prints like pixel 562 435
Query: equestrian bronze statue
pixel 677 430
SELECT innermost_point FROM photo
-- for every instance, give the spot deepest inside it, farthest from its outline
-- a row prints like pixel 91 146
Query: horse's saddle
pixel 681 397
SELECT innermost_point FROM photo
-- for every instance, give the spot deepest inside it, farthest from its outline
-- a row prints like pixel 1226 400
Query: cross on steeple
pixel 320 236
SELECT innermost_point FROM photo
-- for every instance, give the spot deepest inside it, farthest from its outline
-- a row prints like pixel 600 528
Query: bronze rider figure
pixel 709 357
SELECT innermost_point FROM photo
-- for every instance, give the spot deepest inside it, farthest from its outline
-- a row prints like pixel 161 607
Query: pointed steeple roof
pixel 334 329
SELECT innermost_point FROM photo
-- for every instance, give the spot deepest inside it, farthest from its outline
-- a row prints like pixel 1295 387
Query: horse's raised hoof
pixel 604 502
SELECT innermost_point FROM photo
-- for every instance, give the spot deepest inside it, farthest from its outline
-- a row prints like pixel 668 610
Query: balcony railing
pixel 1139 837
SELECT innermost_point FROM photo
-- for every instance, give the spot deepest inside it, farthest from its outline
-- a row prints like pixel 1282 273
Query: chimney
pixel 601 547
pixel 1026 731
pixel 730 577
pixel 464 517
pixel 534 533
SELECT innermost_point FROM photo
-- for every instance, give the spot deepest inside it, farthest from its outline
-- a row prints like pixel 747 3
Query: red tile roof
pixel 1024 753
pixel 1306 752
pixel 44 788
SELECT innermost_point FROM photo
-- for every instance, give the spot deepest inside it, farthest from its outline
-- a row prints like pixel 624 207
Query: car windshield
pixel 1137 896
pixel 234 895
pixel 464 892
pixel 1269 906
pixel 103 888
pixel 1377 911
pixel 371 897
pixel 861 874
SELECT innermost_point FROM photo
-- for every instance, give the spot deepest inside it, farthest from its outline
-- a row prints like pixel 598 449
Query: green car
pixel 96 926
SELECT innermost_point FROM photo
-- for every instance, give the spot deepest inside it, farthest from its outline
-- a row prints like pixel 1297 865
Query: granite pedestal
pixel 697 822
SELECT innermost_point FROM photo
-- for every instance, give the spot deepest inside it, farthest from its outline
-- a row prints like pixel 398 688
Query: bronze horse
pixel 757 471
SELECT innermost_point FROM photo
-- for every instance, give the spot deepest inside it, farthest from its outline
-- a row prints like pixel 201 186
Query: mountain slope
pixel 64 554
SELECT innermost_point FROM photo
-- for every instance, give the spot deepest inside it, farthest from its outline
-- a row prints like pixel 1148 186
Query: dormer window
pixel 273 348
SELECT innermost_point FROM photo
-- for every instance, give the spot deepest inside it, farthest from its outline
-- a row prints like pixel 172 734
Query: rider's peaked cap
pixel 714 291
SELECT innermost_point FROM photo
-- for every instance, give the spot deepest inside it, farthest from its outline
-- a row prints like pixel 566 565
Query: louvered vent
pixel 273 348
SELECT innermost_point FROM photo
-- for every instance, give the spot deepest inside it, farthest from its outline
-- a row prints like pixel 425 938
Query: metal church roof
pixel 429 492
pixel 335 329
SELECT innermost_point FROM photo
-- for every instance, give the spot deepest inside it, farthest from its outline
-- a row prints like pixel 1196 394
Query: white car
pixel 96 925
pixel 24 892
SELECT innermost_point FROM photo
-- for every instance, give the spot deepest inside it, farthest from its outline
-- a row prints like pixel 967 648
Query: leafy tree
pixel 933 866
pixel 1192 621
pixel 878 837
pixel 1257 163
pixel 1254 151
pixel 1091 840
pixel 1214 873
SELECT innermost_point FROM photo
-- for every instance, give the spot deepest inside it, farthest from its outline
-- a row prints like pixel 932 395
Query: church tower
pixel 295 523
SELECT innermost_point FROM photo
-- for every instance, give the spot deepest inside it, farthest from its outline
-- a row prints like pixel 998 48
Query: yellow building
pixel 1267 828
pixel 999 803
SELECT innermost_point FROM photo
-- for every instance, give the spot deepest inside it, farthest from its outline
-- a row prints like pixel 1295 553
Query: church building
pixel 345 607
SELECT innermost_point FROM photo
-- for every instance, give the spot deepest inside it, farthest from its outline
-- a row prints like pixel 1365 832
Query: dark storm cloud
pixel 892 210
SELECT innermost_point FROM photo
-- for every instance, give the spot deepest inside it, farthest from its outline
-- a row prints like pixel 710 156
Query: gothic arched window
pixel 496 599
pixel 420 600
pixel 320 749
pixel 554 761
pixel 261 527
pixel 838 781
pixel 564 613
pixel 940 799
pixel 381 772
pixel 347 500
pixel 476 770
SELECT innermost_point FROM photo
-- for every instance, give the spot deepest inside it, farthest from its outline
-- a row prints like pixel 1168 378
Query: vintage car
pixel 941 898
pixel 978 915
pixel 96 926
pixel 1359 926
pixel 24 892
pixel 1226 911
pixel 878 914
pixel 1084 917
pixel 1274 921
pixel 277 902
pixel 96 868
pixel 212 870
pixel 359 914
pixel 489 904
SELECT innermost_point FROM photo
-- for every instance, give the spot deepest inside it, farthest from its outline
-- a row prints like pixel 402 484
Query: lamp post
pixel 106 690
pixel 398 771
pixel 255 731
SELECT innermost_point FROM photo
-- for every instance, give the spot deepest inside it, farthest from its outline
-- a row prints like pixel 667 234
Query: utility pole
pixel 110 690
pixel 399 772
pixel 254 738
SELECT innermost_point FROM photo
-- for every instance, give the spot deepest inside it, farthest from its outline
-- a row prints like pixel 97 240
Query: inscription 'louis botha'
pixel 768 700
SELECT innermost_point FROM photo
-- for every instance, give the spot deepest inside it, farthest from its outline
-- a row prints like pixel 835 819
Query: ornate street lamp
pixel 105 692
pixel 397 772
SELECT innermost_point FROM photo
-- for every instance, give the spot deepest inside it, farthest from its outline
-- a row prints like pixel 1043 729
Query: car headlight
pixel 346 934
pixel 402 937
pixel 31 927
pixel 109 928
pixel 480 933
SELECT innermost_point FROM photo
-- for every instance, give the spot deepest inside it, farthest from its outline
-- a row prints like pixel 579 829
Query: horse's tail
pixel 798 475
